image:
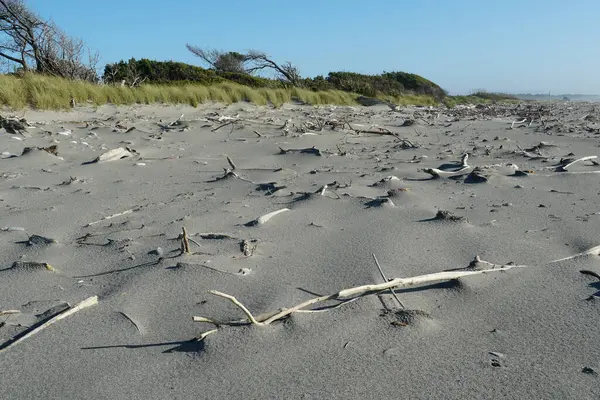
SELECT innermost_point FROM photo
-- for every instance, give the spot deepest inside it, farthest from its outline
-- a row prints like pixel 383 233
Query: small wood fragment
pixel 185 244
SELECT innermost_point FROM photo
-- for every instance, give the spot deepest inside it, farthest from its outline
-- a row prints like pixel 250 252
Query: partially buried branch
pixel 347 295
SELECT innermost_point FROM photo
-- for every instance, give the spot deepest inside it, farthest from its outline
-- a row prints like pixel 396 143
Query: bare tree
pixel 286 72
pixel 250 63
pixel 220 60
pixel 34 44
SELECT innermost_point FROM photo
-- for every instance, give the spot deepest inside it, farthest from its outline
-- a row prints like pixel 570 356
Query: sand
pixel 110 227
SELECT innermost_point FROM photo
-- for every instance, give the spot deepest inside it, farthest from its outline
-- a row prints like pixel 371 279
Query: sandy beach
pixel 94 202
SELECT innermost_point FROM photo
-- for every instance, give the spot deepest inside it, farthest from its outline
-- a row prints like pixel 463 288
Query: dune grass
pixel 51 93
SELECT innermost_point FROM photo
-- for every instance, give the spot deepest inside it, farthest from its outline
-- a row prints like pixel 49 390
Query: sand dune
pixel 102 213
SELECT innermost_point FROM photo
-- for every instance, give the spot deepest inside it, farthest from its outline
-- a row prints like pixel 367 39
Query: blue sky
pixel 514 46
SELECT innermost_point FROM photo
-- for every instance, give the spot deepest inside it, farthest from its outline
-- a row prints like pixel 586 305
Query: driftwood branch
pixel 64 314
pixel 353 293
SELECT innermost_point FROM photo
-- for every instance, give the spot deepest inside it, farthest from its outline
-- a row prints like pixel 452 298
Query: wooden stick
pixel 231 163
pixel 346 295
pixel 32 331
pixel 9 312
pixel 564 167
pixel 385 280
pixel 593 251
pixel 185 244
pixel 131 210
pixel 237 303
pixel 264 218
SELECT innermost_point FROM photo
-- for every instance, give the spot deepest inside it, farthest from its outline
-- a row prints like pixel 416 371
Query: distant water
pixel 559 97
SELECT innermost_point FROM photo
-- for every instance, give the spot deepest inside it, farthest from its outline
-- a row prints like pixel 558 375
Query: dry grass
pixel 42 92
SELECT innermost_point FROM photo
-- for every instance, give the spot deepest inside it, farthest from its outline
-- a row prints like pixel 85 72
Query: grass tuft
pixel 52 93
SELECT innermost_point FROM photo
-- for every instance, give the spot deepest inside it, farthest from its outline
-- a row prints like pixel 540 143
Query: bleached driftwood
pixel 593 251
pixel 113 155
pixel 9 312
pixel 464 167
pixel 351 294
pixel 264 218
pixel 131 210
pixel 564 167
pixel 32 331
pixel 512 126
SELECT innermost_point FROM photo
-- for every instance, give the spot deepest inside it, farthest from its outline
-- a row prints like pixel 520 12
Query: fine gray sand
pixel 73 228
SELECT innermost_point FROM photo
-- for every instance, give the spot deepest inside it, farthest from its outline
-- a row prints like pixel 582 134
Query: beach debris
pixel 567 162
pixel 592 251
pixel 51 320
pixel 31 265
pixel 9 312
pixel 512 125
pixel 230 173
pixel 13 229
pixel 264 218
pixel 50 150
pixel 347 295
pixel 387 280
pixel 308 150
pixel 589 371
pixel 185 244
pixel 496 358
pixel 379 202
pixel 72 179
pixel 37 240
pixel 130 211
pixel 14 125
pixel 449 170
pixel 386 181
pixel 177 124
pixel 215 236
pixel 113 155
pixel 477 176
pixel 248 247
pixel 443 215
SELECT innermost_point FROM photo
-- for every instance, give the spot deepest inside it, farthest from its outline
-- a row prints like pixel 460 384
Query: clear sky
pixel 500 45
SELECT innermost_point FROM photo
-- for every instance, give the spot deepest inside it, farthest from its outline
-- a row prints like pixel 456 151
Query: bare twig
pixel 386 280
pixel 32 331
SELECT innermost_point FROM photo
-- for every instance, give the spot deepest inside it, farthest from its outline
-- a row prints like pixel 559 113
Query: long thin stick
pixel 593 251
pixel 69 311
pixel 351 293
pixel 385 280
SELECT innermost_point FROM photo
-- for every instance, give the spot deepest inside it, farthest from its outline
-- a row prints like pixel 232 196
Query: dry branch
pixel 351 294
pixel 593 251
pixel 64 314
pixel 567 163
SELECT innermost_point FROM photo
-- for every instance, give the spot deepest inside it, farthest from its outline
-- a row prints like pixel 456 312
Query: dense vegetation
pixel 50 70
pixel 134 72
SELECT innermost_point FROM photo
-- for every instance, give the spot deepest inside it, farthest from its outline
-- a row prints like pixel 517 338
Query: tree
pixel 286 72
pixel 221 61
pixel 250 63
pixel 33 44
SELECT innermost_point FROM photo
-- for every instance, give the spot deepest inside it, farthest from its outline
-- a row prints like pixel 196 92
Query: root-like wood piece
pixel 64 314
pixel 347 295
